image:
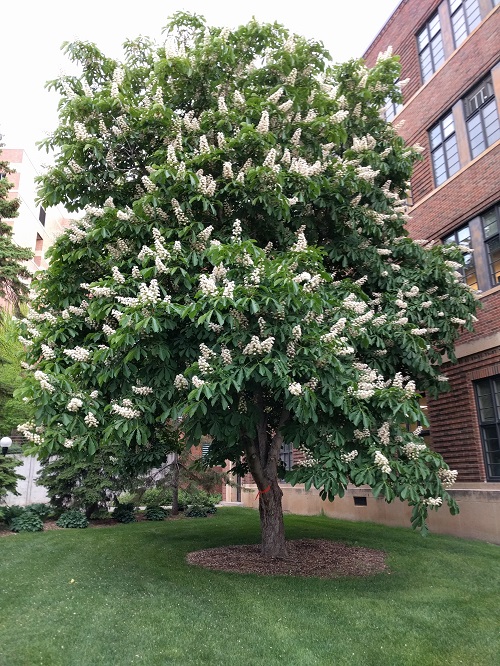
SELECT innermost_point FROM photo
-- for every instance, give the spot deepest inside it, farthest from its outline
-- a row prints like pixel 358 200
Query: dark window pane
pixel 488 400
pixel 486 409
pixel 496 391
pixel 494 257
pixel 490 223
pixel 491 443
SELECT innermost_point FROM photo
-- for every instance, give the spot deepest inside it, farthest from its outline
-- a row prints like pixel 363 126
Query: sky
pixel 32 32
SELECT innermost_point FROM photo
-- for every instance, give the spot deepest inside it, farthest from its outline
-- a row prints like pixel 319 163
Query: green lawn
pixel 135 601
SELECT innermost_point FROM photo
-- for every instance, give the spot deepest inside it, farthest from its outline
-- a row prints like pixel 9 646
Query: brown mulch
pixel 317 558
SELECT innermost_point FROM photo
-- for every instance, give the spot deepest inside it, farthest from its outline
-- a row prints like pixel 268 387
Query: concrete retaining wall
pixel 479 516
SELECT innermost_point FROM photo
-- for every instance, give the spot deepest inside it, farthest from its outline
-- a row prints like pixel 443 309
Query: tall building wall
pixel 457 195
pixel 34 227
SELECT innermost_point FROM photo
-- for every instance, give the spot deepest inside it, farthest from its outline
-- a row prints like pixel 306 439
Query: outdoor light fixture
pixel 5 443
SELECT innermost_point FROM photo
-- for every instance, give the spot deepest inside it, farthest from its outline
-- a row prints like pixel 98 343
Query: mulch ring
pixel 317 558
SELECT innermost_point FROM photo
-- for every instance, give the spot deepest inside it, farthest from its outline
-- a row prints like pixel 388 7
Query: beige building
pixel 34 227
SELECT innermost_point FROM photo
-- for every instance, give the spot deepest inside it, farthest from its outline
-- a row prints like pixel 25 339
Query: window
pixel 488 407
pixel 465 16
pixel 430 48
pixel 491 227
pixel 41 215
pixel 462 237
pixel 482 270
pixel 391 109
pixel 444 150
pixel 286 454
pixel 481 114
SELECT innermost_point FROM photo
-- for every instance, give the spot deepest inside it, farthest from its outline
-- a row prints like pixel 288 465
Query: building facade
pixel 450 54
pixel 34 227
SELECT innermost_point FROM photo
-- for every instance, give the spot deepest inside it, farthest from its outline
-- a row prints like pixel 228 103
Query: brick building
pixel 450 52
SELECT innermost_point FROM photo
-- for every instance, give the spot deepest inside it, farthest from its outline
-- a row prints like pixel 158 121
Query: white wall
pixel 29 492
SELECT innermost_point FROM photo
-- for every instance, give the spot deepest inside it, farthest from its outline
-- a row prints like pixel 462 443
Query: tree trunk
pixel 175 486
pixel 271 521
pixel 263 454
pixel 89 510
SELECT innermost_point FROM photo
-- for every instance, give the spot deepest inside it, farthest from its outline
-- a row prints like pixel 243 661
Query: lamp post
pixel 5 443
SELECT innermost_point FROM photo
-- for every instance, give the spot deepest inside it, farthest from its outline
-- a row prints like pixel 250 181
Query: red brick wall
pixel 399 32
pixel 453 417
pixel 454 422
pixel 488 316
pixel 466 66
pixel 470 192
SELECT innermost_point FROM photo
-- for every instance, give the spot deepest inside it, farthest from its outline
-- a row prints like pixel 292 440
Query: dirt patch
pixel 317 558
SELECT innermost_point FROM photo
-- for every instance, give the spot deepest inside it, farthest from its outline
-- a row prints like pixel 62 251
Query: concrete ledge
pixel 479 516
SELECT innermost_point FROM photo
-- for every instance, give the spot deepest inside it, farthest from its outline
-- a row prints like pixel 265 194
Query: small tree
pixel 243 269
pixel 82 484
pixel 13 272
pixel 13 409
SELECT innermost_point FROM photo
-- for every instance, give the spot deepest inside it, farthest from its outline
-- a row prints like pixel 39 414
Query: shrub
pixel 157 496
pixel 196 511
pixel 128 498
pixel 100 514
pixel 42 510
pixel 124 513
pixel 9 513
pixel 73 518
pixel 27 522
pixel 155 512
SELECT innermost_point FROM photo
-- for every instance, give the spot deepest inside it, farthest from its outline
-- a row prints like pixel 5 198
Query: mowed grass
pixel 135 601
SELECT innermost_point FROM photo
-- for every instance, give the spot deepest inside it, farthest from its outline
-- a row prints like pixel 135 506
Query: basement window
pixel 360 501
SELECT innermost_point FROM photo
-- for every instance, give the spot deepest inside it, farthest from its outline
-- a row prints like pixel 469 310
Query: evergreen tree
pixel 243 268
pixel 13 273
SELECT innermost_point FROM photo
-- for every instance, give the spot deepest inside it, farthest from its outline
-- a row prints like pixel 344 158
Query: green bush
pixel 157 496
pixel 100 514
pixel 73 518
pixel 155 512
pixel 124 513
pixel 196 511
pixel 128 498
pixel 9 513
pixel 42 510
pixel 27 522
